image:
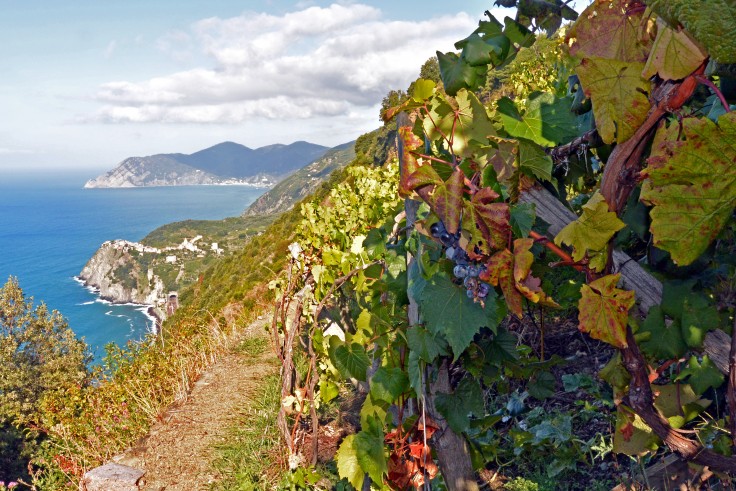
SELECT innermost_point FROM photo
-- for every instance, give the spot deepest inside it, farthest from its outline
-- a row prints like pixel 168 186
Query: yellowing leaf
pixel 604 310
pixel 500 273
pixel 692 185
pixel 611 29
pixel 503 158
pixel 618 94
pixel 711 22
pixel 528 285
pixel 590 233
pixel 674 55
pixel 511 271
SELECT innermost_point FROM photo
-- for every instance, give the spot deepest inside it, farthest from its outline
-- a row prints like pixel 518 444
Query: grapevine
pixel 642 145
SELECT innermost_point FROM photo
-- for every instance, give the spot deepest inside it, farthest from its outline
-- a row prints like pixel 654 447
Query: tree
pixel 39 356
pixel 392 99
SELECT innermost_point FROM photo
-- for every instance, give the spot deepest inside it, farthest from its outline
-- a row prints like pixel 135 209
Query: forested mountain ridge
pixel 224 163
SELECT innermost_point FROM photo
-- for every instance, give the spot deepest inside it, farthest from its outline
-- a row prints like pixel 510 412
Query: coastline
pixel 154 320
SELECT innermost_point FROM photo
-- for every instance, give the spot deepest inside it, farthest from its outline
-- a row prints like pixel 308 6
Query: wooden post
pixel 453 454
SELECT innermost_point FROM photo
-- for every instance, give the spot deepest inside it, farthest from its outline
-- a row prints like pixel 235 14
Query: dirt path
pixel 177 452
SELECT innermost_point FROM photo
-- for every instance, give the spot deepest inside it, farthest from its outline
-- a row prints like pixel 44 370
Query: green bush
pixel 40 357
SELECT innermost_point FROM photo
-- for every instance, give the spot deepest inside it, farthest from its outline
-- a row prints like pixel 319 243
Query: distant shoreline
pixel 244 184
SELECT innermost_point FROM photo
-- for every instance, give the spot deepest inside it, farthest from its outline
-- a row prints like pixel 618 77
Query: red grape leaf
pixel 492 219
pixel 512 272
pixel 500 272
pixel 604 310
pixel 528 285
pixel 409 163
pixel 445 198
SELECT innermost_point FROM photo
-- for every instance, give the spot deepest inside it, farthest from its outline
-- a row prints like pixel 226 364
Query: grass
pixel 249 458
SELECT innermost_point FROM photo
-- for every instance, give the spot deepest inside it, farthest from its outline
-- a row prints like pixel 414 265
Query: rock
pixel 112 477
pixel 114 271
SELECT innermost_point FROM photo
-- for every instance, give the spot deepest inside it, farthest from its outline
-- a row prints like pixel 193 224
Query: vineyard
pixel 541 282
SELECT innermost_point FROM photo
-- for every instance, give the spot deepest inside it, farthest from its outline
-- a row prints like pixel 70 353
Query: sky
pixel 88 83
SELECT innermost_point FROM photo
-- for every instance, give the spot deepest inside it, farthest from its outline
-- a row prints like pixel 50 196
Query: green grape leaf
pixel 663 342
pixel 457 407
pixel 674 295
pixel 547 120
pixel 604 310
pixel 328 389
pixel 701 376
pixel 517 33
pixel 533 161
pixel 619 96
pixel 522 219
pixel 423 90
pixel 691 185
pixel 388 384
pixel 478 51
pixel 591 232
pixel 369 446
pixel 491 219
pixel 373 410
pixel 348 466
pixel 712 23
pixel 456 73
pixel 350 360
pixel 541 386
pixel 615 373
pixel 414 367
pixel 608 29
pixel 671 399
pixel 462 119
pixel 426 345
pixel 449 312
pixel 674 55
pixel 698 317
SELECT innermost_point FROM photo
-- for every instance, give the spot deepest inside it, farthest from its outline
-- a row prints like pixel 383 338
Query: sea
pixel 50 226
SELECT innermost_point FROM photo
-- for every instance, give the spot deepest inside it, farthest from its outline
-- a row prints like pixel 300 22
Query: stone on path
pixel 112 477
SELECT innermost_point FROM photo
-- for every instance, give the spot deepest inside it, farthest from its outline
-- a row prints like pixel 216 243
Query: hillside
pixel 302 182
pixel 224 163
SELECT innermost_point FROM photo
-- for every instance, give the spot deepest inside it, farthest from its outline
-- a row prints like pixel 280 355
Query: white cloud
pixel 330 61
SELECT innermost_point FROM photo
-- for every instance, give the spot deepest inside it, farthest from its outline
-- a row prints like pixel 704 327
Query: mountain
pixel 224 163
pixel 302 182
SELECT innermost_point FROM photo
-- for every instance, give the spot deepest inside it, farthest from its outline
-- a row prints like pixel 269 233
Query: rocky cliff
pixel 116 271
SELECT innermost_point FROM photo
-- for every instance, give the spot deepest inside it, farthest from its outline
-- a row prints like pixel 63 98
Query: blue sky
pixel 87 83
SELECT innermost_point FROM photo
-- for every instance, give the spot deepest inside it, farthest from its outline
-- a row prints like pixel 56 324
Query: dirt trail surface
pixel 178 451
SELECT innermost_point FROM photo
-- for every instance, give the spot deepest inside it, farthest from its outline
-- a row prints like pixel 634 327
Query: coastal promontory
pixel 224 163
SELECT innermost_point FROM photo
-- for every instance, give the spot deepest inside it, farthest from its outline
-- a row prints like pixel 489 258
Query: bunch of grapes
pixel 465 269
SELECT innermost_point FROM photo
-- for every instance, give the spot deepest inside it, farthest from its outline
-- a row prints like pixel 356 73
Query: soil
pixel 177 452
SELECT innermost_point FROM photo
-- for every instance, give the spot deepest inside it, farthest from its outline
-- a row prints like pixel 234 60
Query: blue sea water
pixel 50 226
